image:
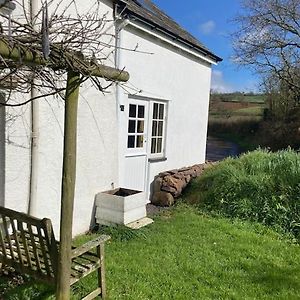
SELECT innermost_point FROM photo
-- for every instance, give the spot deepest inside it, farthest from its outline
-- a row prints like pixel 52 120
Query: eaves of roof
pixel 146 12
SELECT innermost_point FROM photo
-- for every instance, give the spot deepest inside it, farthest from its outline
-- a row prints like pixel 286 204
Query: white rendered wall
pixel 165 74
pixel 96 156
pixel 17 159
pixel 97 163
pixel 168 73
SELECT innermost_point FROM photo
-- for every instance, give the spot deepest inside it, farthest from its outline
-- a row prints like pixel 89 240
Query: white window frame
pixel 137 150
pixel 134 99
pixel 161 154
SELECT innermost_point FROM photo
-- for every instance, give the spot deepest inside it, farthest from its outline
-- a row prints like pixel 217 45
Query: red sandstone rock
pixel 163 199
pixel 169 185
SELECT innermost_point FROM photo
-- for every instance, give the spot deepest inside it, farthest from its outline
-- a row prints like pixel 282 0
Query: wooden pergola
pixel 13 52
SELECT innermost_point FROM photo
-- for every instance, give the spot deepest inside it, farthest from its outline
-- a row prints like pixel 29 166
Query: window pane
pixel 131 141
pixel 140 128
pixel 132 110
pixel 155 110
pixel 153 145
pixel 131 126
pixel 160 128
pixel 154 128
pixel 161 111
pixel 159 146
pixel 139 141
pixel 141 112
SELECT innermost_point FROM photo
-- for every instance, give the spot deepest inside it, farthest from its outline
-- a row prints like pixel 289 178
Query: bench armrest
pixel 89 245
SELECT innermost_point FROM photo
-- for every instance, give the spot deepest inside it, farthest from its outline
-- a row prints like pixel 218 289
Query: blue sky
pixel 209 21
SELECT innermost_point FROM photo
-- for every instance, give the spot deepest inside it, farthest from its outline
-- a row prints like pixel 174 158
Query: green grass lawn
pixel 188 255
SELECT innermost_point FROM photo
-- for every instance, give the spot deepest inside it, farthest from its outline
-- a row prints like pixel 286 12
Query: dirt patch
pixel 153 210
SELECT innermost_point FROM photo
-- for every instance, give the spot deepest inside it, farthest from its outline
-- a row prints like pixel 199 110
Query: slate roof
pixel 147 11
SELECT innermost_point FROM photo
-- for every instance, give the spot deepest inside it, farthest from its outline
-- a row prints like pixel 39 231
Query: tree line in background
pixel 268 41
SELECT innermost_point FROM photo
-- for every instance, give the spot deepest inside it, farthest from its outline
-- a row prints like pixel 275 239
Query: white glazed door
pixel 136 144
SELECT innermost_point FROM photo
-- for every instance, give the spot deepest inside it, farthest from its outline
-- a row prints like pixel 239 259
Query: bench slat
pixel 27 270
pixel 8 237
pixel 34 247
pixel 45 255
pixel 20 216
pixel 2 240
pixel 15 236
pixel 78 275
pixel 25 244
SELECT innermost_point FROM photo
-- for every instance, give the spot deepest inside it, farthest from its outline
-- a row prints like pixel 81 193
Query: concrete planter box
pixel 120 206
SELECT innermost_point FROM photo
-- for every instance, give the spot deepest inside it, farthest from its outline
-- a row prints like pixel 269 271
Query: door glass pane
pixel 132 110
pixel 141 112
pixel 139 141
pixel 161 111
pixel 155 110
pixel 159 145
pixel 131 141
pixel 140 128
pixel 160 128
pixel 131 126
pixel 154 128
pixel 153 145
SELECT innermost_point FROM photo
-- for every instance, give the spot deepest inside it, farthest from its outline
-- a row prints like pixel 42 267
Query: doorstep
pixel 140 223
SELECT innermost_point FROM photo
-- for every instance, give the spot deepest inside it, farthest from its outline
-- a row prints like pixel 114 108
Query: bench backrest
pixel 28 245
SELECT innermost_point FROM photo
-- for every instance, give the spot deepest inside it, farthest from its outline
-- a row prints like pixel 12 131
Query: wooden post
pixel 68 187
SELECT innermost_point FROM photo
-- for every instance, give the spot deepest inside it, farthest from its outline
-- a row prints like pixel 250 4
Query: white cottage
pixel 156 122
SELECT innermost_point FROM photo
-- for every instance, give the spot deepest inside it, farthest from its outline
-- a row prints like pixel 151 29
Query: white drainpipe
pixel 34 155
pixel 2 150
pixel 119 25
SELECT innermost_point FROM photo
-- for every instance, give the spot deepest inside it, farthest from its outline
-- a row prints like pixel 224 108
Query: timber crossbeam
pixel 59 59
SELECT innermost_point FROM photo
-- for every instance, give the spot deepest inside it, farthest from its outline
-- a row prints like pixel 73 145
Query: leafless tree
pixel 268 40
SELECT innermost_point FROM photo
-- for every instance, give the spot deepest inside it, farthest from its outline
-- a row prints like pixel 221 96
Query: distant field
pixel 236 117
pixel 253 111
pixel 255 98
pixel 233 105
pixel 239 97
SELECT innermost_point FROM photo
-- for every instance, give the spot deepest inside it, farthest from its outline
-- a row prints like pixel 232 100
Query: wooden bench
pixel 28 245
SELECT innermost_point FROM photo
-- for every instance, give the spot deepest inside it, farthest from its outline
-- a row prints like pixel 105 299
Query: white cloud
pixel 218 83
pixel 207 27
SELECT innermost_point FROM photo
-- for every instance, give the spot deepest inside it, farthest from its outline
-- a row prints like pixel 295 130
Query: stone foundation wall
pixel 169 185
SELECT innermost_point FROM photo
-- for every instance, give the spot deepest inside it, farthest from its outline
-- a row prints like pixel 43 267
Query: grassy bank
pixel 259 186
pixel 186 254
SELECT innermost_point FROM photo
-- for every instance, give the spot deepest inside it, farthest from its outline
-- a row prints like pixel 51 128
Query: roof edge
pixel 127 13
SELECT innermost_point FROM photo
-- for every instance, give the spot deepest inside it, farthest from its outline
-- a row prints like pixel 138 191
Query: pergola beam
pixel 21 53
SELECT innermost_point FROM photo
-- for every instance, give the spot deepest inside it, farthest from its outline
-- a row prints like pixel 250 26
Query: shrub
pixel 259 186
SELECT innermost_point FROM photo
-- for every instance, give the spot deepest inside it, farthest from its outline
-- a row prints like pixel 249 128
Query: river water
pixel 218 149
